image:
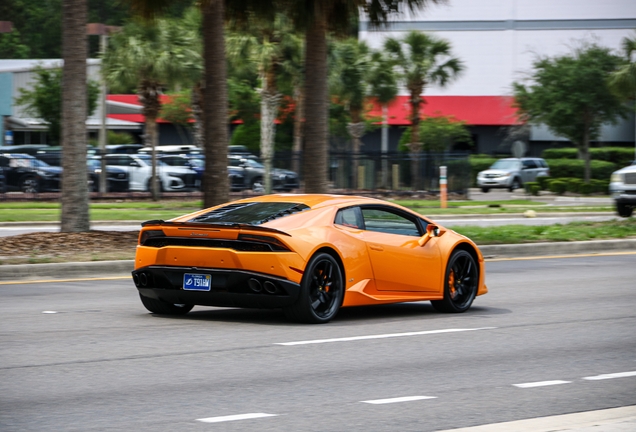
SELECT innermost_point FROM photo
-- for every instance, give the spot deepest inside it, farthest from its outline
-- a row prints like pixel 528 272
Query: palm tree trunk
pixel 148 94
pixel 269 108
pixel 298 128
pixel 416 145
pixel 385 146
pixel 196 101
pixel 356 130
pixel 75 215
pixel 316 149
pixel 151 136
pixel 215 106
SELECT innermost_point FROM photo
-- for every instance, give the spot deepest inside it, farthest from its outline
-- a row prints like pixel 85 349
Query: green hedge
pixel 575 168
pixel 621 156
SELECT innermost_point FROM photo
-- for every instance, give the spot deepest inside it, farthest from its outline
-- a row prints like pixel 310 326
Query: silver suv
pixel 512 173
pixel 623 190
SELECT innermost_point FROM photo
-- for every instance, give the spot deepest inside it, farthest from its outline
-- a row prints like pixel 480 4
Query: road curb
pixel 96 269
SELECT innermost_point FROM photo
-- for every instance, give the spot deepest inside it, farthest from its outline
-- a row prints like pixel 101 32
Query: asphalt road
pixel 553 336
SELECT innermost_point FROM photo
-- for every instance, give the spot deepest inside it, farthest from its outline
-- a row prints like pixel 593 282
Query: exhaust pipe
pixel 143 279
pixel 255 285
pixel 136 279
pixel 270 287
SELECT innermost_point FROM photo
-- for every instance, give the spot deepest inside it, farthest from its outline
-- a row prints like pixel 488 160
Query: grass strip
pixel 573 231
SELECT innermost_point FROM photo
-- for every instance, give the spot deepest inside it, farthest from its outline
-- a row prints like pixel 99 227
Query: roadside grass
pixel 573 231
pixel 144 210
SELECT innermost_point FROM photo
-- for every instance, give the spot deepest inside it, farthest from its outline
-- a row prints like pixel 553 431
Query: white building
pixel 498 40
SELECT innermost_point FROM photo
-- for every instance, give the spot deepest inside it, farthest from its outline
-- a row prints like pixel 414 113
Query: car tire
pixel 257 185
pixel 29 184
pixel 516 184
pixel 460 283
pixel 321 291
pixel 485 189
pixel 164 308
pixel 624 210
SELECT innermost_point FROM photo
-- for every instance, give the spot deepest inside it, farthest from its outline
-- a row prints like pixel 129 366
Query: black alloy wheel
pixel 460 283
pixel 516 184
pixel 29 184
pixel 164 308
pixel 485 189
pixel 321 291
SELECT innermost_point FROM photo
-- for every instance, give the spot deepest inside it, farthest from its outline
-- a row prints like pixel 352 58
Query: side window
pixel 4 162
pixel 529 163
pixel 388 222
pixel 349 217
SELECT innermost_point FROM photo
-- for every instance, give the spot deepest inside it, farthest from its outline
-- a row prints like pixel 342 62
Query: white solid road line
pixel 235 417
pixel 541 384
pixel 610 376
pixel 380 336
pixel 398 399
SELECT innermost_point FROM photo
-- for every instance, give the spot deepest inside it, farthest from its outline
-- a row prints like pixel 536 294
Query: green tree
pixel 437 134
pixel 262 43
pixel 421 60
pixel 44 99
pixel 384 89
pixel 153 58
pixel 349 72
pixel 570 94
pixel 11 46
pixel 317 18
pixel 178 111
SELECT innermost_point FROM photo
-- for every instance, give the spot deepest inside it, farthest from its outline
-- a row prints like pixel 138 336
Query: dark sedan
pixel 28 174
pixel 116 178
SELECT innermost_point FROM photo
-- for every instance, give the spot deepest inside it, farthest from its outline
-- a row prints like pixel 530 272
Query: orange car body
pixel 377 267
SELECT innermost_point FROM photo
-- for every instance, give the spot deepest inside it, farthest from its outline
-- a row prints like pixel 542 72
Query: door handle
pixel 376 247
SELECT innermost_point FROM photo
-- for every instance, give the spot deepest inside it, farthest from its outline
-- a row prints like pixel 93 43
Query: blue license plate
pixel 197 282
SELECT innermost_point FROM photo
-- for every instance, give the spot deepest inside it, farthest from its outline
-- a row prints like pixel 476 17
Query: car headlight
pixel 616 178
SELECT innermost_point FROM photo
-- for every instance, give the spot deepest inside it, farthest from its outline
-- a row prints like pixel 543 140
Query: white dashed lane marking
pixel 541 384
pixel 236 417
pixel 381 336
pixel 610 376
pixel 398 399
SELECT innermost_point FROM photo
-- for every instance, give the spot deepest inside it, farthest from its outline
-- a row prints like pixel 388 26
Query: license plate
pixel 197 282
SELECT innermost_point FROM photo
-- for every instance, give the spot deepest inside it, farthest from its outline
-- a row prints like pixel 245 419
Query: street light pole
pixel 103 180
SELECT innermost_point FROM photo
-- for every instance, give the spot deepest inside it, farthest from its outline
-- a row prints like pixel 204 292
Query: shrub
pixel 558 187
pixel 585 188
pixel 544 182
pixel 248 135
pixel 535 189
pixel 574 185
pixel 528 186
pixel 599 186
pixel 575 168
pixel 621 156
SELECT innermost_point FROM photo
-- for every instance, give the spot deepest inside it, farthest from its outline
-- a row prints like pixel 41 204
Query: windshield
pixel 503 164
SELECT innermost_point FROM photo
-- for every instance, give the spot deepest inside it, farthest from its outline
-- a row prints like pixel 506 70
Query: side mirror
pixel 431 231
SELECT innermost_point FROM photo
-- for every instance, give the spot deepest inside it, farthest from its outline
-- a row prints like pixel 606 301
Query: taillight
pixel 145 235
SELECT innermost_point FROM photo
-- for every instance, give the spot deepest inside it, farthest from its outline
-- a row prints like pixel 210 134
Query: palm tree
pixel 349 83
pixel 384 89
pixel 74 217
pixel 263 44
pixel 421 60
pixel 317 18
pixel 152 59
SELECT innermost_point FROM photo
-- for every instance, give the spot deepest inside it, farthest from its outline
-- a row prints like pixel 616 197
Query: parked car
pixel 307 254
pixel 254 171
pixel 172 149
pixel 116 177
pixel 512 173
pixel 30 149
pixel 623 190
pixel 25 173
pixel 3 184
pixel 139 168
pixel 197 163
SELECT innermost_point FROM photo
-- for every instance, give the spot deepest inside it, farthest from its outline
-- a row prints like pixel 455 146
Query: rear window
pixel 253 213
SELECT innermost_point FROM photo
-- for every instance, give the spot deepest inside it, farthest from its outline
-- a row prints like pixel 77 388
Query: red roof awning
pixel 474 110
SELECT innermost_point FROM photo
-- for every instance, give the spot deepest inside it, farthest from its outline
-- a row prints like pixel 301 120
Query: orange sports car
pixel 307 254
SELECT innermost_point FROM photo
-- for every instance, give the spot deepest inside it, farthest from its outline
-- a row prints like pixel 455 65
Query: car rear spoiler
pixel 234 225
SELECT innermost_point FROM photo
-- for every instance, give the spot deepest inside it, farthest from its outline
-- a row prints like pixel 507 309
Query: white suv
pixel 623 190
pixel 512 173
pixel 139 168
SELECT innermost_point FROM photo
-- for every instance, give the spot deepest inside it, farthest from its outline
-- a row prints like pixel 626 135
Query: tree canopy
pixel 570 94
pixel 44 99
